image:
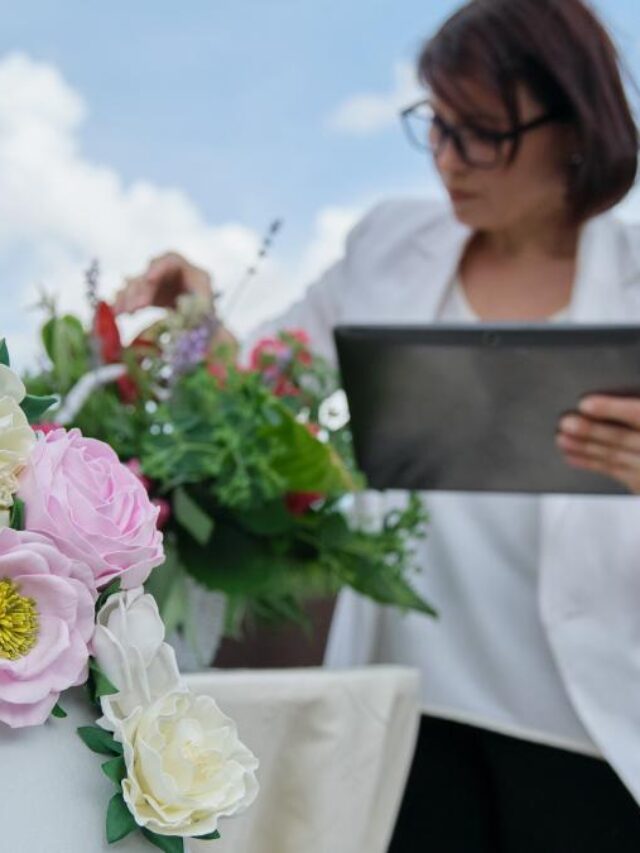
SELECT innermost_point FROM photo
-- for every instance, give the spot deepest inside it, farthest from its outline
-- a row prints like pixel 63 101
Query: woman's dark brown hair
pixel 563 54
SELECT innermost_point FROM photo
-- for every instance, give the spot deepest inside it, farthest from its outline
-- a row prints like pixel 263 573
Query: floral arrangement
pixel 250 462
pixel 78 539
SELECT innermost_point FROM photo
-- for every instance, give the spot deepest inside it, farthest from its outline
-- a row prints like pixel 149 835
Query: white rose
pixel 186 767
pixel 11 385
pixel 129 647
pixel 16 436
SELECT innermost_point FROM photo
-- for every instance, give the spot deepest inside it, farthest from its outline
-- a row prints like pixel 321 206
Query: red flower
pixel 165 511
pixel 47 427
pixel 301 336
pixel 106 331
pixel 219 372
pixel 127 388
pixel 302 352
pixel 300 502
pixel 285 388
pixel 267 352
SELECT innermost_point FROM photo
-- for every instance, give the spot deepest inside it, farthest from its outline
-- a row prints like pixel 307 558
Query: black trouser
pixel 474 791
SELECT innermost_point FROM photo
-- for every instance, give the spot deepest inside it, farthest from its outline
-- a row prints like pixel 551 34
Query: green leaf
pixel 59 712
pixel 66 345
pixel 176 604
pixel 4 353
pixel 120 821
pixel 17 514
pixel 212 836
pixel 98 740
pixel 234 561
pixel 308 465
pixel 35 407
pixel 103 687
pixel 191 516
pixel 115 769
pixel 388 588
pixel 113 587
pixel 271 519
pixel 168 843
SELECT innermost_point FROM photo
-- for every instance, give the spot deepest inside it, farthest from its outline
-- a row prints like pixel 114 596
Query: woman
pixel 530 739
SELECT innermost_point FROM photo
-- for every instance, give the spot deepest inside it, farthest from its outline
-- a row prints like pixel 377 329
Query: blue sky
pixel 229 103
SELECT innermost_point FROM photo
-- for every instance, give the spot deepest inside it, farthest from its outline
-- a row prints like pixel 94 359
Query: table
pixel 335 749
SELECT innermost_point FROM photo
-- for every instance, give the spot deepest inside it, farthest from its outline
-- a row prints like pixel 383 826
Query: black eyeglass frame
pixel 449 131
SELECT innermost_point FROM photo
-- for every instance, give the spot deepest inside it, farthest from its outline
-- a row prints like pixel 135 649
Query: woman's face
pixel 513 193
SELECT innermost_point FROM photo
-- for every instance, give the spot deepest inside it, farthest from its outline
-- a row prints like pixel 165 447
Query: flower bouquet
pixel 250 463
pixel 78 539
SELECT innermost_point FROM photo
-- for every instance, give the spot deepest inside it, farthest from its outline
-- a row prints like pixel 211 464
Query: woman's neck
pixel 551 237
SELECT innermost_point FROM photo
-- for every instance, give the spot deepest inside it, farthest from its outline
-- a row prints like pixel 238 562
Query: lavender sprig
pixel 252 270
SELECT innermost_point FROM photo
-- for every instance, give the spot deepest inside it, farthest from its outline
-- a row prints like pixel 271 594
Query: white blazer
pixel 397 266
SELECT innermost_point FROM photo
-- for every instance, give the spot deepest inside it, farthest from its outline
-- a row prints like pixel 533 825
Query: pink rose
pixel 95 509
pixel 46 624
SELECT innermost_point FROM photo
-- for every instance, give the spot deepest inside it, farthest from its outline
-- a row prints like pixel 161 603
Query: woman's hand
pixel 604 436
pixel 165 279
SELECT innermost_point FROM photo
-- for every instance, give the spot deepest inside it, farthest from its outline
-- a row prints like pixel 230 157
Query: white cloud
pixel 59 210
pixel 267 295
pixel 371 112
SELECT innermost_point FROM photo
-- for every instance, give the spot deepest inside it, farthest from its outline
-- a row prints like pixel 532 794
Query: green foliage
pixel 35 407
pixel 115 769
pixel 59 712
pixel 227 453
pixel 241 440
pixel 188 513
pixel 120 821
pixel 166 843
pixel 99 684
pixel 16 515
pixel 66 344
pixel 99 740
pixel 108 591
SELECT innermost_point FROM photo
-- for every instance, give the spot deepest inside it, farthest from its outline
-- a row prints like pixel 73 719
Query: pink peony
pixel 93 507
pixel 46 625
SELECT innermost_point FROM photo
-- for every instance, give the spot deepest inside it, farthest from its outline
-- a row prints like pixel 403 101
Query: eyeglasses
pixel 477 147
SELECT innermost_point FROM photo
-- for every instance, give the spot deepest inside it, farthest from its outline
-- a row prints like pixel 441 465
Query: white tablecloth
pixel 334 748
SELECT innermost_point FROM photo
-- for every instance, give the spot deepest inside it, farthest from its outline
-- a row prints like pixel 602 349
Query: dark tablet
pixel 476 407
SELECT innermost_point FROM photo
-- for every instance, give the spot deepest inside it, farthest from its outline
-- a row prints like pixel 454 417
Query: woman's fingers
pixel 623 410
pixel 166 277
pixel 611 456
pixel 588 430
pixel 610 446
pixel 137 293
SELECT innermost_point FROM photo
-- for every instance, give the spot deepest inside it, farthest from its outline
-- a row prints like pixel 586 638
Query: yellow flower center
pixel 18 621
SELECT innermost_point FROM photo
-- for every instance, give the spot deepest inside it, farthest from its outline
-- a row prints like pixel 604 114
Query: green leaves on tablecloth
pixel 99 740
pixel 120 821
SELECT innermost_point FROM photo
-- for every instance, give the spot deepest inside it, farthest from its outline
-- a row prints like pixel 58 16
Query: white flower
pixel 16 436
pixel 129 647
pixel 333 413
pixel 186 767
pixel 11 385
